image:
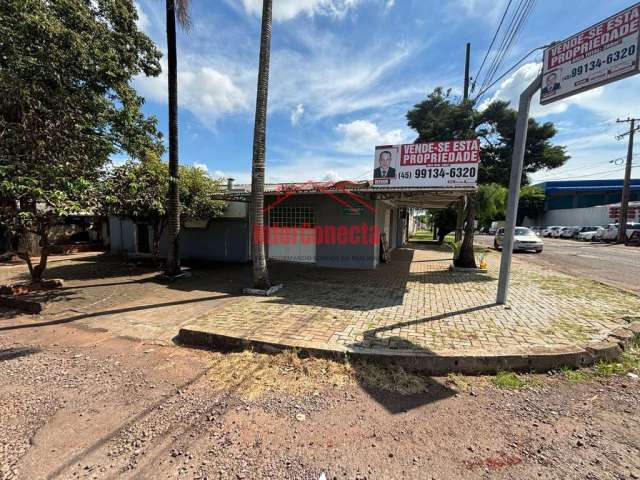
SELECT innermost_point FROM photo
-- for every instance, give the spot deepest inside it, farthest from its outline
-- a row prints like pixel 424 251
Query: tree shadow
pixel 404 358
pixel 114 311
pixel 12 353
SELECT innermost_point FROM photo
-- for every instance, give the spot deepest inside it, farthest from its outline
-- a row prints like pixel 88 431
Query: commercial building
pixel 583 202
pixel 340 224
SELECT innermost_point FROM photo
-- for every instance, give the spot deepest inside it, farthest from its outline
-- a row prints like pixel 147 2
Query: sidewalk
pixel 415 307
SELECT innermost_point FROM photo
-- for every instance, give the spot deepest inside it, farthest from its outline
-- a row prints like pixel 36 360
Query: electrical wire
pixel 495 35
pixel 603 172
pixel 516 65
pixel 495 63
pixel 518 20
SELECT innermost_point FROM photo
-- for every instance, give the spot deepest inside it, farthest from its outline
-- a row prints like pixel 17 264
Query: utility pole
pixel 461 202
pixel 466 72
pixel 624 201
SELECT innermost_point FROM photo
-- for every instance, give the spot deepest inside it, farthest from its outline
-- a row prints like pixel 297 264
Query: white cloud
pixel 201 166
pixel 488 10
pixel 334 78
pixel 296 114
pixel 331 176
pixel 143 21
pixel 288 9
pixel 205 91
pixel 511 88
pixel 361 136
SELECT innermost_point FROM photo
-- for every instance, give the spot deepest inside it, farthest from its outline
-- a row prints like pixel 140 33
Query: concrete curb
pixel 538 360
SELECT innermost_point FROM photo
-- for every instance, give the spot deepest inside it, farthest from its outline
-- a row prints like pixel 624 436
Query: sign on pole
pixel 452 163
pixel 600 54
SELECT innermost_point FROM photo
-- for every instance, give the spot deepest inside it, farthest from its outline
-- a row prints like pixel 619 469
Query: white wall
pixel 577 216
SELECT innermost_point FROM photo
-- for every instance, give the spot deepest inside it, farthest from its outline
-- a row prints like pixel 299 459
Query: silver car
pixel 525 240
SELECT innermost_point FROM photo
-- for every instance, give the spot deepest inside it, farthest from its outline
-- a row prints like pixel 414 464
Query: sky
pixel 345 72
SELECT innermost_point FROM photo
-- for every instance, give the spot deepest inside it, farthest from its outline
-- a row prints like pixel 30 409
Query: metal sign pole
pixel 517 162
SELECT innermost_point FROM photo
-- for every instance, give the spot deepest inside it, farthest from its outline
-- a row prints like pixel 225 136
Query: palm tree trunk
pixel 260 272
pixel 173 199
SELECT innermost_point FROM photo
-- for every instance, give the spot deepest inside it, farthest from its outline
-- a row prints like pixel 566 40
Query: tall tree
pixel 66 105
pixel 175 9
pixel 439 117
pixel 260 272
pixel 496 126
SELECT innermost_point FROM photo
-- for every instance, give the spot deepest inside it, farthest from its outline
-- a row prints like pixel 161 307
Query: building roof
pixel 419 197
pixel 604 185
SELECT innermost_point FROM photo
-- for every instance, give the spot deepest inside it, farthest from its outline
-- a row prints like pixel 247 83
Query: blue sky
pixel 345 72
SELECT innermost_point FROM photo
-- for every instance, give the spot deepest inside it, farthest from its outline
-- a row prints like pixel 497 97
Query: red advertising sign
pixel 452 163
pixel 600 54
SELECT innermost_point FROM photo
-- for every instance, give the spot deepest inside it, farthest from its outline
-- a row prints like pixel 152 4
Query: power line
pixel 518 20
pixel 495 35
pixel 603 172
pixel 498 57
pixel 485 90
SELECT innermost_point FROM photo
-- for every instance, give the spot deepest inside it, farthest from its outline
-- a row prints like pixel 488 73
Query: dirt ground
pixel 79 403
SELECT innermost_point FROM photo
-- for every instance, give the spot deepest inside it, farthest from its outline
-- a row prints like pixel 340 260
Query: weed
pixel 629 361
pixel 575 376
pixel 251 374
pixel 513 381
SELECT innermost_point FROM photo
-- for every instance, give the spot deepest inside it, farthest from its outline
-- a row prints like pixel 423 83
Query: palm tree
pixel 179 9
pixel 260 272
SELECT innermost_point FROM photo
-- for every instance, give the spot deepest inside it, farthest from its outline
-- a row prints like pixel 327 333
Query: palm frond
pixel 182 13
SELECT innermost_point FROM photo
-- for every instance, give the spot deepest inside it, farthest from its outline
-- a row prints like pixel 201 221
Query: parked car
pixel 611 234
pixel 549 230
pixel 599 233
pixel 586 234
pixel 560 231
pixel 537 230
pixel 569 232
pixel 524 239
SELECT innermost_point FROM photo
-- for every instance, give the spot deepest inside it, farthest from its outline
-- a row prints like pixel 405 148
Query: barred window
pixel 291 217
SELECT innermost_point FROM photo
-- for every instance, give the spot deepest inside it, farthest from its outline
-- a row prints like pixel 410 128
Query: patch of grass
pixel 576 376
pixel 513 381
pixel 575 331
pixel 252 375
pixel 629 361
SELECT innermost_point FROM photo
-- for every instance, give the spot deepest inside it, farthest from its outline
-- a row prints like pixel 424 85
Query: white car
pixel 549 230
pixel 587 233
pixel 524 239
pixel 611 233
pixel 560 231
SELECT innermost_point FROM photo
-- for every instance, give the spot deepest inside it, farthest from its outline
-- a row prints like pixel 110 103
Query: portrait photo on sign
pixel 385 165
pixel 551 83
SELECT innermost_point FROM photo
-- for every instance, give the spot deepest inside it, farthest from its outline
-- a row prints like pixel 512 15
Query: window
pixel 291 217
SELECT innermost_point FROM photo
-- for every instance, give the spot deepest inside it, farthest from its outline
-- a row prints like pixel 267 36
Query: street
pixel 615 265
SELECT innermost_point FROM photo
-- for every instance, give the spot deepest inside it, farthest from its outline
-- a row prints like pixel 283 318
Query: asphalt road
pixel 616 265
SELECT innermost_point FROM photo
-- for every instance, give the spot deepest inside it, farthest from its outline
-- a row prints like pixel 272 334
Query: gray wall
pixel 330 212
pixel 224 239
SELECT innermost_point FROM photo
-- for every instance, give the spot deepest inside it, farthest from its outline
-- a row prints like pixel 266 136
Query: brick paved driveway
pixel 416 304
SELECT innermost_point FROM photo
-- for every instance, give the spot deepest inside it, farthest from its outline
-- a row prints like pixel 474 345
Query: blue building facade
pixel 567 194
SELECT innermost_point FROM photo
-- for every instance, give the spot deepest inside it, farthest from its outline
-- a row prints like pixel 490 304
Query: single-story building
pixel 329 224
